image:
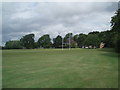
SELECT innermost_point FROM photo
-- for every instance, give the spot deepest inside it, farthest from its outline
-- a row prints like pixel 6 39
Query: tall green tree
pixel 115 24
pixel 67 37
pixel 93 40
pixel 107 38
pixel 94 32
pixel 57 42
pixel 36 45
pixel 115 21
pixel 28 41
pixel 45 41
pixel 81 40
pixel 15 44
pixel 75 37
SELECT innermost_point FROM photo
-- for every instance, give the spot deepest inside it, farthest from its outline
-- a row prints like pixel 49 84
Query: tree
pixel 81 39
pixel 107 38
pixel 94 32
pixel 68 37
pixel 28 41
pixel 0 47
pixel 92 40
pixel 57 42
pixel 115 24
pixel 13 45
pixel 75 37
pixel 36 45
pixel 44 41
pixel 115 21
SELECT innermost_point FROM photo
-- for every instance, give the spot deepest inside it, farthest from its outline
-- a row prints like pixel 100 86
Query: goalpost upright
pixel 62 43
pixel 69 41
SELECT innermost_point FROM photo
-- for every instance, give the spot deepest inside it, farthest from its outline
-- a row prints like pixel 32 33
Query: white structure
pixel 102 45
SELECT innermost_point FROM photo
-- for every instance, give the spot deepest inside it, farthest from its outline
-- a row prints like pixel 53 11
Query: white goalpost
pixel 69 41
pixel 62 43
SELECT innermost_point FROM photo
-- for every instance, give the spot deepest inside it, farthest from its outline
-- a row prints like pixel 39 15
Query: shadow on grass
pixel 107 50
pixel 110 52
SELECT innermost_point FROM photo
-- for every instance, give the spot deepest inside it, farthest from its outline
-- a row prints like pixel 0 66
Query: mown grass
pixel 56 68
pixel 0 69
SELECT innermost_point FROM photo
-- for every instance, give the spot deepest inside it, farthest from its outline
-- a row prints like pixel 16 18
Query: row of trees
pixel 111 38
pixel 79 40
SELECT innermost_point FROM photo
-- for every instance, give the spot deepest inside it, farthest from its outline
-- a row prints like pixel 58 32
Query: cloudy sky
pixel 54 18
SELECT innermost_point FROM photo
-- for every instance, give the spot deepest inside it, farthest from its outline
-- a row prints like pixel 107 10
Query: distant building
pixel 102 45
pixel 94 47
pixel 90 46
pixel 83 46
pixel 86 47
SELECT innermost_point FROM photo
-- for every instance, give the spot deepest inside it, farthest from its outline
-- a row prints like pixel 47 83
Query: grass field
pixel 55 68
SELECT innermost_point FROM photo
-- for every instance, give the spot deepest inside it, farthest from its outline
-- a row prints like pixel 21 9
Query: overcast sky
pixel 19 19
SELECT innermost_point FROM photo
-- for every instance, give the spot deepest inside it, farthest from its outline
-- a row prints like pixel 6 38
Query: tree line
pixel 111 38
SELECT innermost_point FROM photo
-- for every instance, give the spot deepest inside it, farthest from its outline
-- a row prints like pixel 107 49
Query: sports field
pixel 56 68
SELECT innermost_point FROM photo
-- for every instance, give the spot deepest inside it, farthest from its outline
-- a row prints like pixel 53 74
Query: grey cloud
pixel 0 23
pixel 55 18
